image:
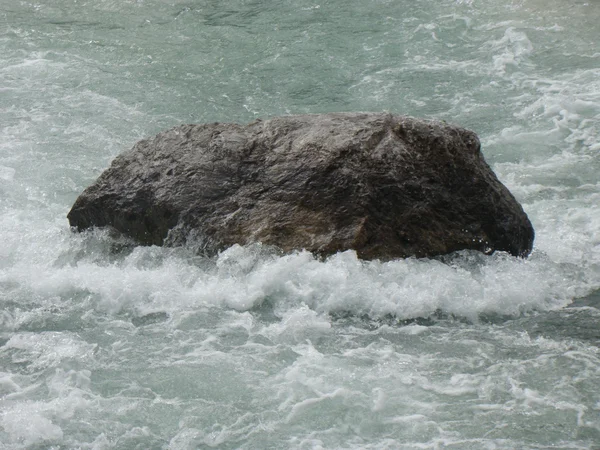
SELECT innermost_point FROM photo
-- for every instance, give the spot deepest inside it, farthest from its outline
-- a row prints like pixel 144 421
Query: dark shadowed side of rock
pixel 387 186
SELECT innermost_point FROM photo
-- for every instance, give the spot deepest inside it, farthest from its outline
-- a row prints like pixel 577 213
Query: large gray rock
pixel 387 186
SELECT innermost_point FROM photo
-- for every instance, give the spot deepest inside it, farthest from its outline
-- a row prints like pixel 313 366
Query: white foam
pixel 7 384
pixel 25 424
pixel 244 278
pixel 49 349
pixel 514 46
pixel 297 323
pixel 7 173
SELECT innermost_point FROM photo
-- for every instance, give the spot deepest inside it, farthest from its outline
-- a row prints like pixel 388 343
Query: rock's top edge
pixel 342 115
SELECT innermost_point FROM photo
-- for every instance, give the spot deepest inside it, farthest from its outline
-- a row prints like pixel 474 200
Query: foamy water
pixel 105 345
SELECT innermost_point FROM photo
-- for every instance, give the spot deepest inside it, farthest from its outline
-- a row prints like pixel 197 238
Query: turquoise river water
pixel 104 345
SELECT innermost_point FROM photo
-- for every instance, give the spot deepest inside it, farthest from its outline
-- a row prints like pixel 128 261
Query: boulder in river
pixel 387 186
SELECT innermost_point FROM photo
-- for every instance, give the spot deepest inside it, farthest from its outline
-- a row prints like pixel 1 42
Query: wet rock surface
pixel 384 185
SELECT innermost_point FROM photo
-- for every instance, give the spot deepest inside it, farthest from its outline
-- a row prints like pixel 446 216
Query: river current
pixel 105 345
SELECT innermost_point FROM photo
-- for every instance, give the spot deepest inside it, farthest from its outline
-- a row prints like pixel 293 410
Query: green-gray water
pixel 108 346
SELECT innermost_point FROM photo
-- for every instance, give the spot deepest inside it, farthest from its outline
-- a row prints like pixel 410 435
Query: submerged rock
pixel 386 186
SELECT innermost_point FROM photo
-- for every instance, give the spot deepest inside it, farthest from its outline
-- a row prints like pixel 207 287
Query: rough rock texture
pixel 387 186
